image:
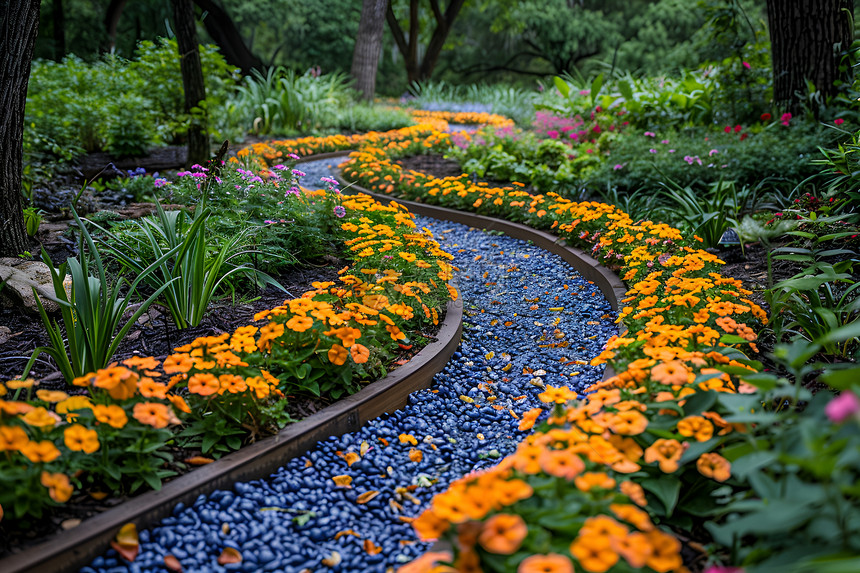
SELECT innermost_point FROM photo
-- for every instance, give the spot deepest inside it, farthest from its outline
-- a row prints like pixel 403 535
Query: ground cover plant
pixel 691 434
pixel 114 428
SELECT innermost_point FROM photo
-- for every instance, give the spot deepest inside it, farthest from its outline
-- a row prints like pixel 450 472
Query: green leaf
pixel 666 489
pixel 744 465
pixel 562 86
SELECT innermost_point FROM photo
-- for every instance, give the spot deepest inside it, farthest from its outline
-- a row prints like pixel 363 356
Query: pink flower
pixel 650 134
pixel 553 134
pixel 747 65
pixel 843 407
pixel 721 569
pixel 652 151
pixel 838 121
pixel 617 166
pixel 713 152
pixel 785 119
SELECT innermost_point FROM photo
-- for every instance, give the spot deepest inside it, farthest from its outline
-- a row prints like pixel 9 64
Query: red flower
pixel 838 121
pixel 728 129
pixel 743 136
pixel 766 117
pixel 738 129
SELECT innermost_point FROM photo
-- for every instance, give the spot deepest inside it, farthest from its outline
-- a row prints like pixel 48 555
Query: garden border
pixel 75 548
pixel 608 282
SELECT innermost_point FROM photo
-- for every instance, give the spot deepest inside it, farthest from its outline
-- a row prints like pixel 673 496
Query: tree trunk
pixel 58 21
pixel 440 35
pixel 368 45
pixel 19 24
pixel 808 38
pixel 220 26
pixel 185 25
pixel 112 16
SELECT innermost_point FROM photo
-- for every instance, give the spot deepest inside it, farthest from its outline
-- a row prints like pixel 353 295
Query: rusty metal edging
pixel 75 548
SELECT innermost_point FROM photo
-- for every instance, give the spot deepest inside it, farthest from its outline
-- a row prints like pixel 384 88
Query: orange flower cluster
pixel 329 334
pixel 463 117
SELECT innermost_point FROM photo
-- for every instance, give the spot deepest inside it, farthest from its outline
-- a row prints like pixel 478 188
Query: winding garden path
pixel 530 319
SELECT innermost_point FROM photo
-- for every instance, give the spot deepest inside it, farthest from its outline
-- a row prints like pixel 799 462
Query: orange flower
pixel 594 552
pixel 141 363
pixel 503 533
pixel 635 548
pixel 561 463
pixel 632 515
pixel 627 423
pixel 300 323
pixel 557 395
pixel 231 383
pixel 151 414
pixel 179 403
pixel 550 563
pixel 635 492
pixel 120 382
pixel 59 487
pixel 52 396
pixel 347 334
pixel 178 363
pixel 526 458
pixel 714 466
pixel 12 438
pixel 337 355
pixel 40 418
pixel 451 505
pixel 508 492
pixel 203 384
pixel 529 419
pixel 590 480
pixel 696 426
pixel 149 388
pixel 112 415
pixel 665 552
pixel 671 372
pixel 666 452
pixel 359 353
pixel 429 526
pixel 40 452
pixel 79 439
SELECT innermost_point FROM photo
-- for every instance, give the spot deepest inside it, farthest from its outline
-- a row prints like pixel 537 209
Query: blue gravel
pixel 529 317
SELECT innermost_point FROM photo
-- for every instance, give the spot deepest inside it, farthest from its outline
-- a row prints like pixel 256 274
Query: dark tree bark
pixel 368 45
pixel 220 26
pixel 112 16
pixel 58 21
pixel 808 38
pixel 19 25
pixel 422 70
pixel 185 26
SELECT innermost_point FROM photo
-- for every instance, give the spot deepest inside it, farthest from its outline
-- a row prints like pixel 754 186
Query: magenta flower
pixel 747 65
pixel 843 407
pixel 617 166
pixel 339 211
pixel 650 134
pixel 713 152
pixel 652 151
pixel 722 569
pixel 838 121
pixel 552 134
pixel 785 119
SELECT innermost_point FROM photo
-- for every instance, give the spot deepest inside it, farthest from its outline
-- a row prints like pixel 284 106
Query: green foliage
pixel 91 313
pixel 115 105
pixel 187 272
pixel 362 117
pixel 509 101
pixel 282 102
pixel 32 220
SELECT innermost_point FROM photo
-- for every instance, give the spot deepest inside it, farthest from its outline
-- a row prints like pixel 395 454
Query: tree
pixel 808 40
pixel 368 43
pixel 19 25
pixel 192 80
pixel 421 69
pixel 223 31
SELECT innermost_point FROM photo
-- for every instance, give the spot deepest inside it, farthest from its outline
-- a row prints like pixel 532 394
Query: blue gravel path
pixel 529 318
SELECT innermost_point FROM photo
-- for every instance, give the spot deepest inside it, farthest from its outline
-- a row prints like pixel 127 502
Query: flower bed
pixel 114 434
pixel 689 429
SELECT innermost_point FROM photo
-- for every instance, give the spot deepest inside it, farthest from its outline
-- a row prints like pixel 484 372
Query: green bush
pixel 116 105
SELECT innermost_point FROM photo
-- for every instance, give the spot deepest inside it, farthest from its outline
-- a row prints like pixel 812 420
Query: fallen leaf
pixel 366 496
pixel 127 552
pixel 332 560
pixel 364 447
pixel 342 480
pixel 370 548
pixel 98 495
pixel 229 555
pixel 69 523
pixel 128 535
pixel 198 461
pixel 415 455
pixel 340 534
pixel 172 563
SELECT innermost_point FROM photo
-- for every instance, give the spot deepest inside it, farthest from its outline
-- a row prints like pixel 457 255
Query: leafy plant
pixel 32 220
pixel 184 270
pixel 92 312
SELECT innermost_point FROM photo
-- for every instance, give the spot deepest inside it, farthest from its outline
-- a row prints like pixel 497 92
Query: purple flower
pixel 339 211
pixel 329 180
pixel 617 166
pixel 713 152
pixel 294 156
pixel 652 150
pixel 160 183
pixel 843 407
pixel 279 167
pixel 298 173
pixel 650 134
pixel 269 222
